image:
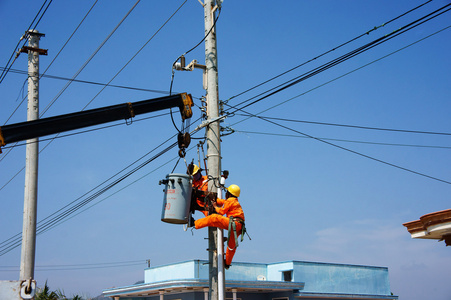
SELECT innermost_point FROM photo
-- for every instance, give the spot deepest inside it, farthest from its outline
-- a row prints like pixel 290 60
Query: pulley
pixel 183 139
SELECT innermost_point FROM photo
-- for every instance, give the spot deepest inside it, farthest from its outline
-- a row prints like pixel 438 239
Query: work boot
pixel 226 266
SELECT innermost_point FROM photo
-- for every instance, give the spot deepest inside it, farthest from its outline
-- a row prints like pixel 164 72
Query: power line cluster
pixel 32 26
pixel 234 109
pixel 71 267
pixel 75 206
pixel 298 79
pixel 70 209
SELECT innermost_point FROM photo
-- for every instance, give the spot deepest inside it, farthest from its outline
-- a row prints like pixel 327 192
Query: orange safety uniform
pixel 231 207
pixel 202 185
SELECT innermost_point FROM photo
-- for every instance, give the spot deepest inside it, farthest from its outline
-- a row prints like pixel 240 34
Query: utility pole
pixel 27 260
pixel 213 146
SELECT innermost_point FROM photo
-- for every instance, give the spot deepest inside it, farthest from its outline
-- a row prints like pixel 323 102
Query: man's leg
pixel 214 220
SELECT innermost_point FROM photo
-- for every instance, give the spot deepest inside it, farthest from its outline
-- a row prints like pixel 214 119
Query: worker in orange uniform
pixel 200 186
pixel 234 213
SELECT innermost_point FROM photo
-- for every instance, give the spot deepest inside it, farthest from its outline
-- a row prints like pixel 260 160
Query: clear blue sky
pixel 303 199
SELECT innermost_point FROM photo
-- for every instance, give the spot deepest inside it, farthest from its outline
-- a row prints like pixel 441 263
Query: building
pixel 250 281
pixel 435 226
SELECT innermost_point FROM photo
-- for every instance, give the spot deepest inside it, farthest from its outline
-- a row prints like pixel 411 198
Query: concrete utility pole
pixel 213 147
pixel 27 260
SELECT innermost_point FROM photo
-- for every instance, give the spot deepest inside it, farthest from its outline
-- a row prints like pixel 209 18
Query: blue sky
pixel 303 199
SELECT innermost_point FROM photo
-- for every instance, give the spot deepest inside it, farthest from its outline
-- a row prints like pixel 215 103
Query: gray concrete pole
pixel 213 138
pixel 27 260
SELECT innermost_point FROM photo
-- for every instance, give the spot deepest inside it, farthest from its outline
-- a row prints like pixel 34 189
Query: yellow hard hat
pixel 195 169
pixel 234 190
pixel 192 169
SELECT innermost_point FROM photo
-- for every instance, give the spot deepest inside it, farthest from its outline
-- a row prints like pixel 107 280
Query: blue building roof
pixel 292 279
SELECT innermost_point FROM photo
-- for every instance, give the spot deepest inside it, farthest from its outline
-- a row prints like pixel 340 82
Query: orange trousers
pixel 222 222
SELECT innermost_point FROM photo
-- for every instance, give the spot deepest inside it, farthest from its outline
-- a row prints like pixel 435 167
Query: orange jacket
pixel 201 184
pixel 231 207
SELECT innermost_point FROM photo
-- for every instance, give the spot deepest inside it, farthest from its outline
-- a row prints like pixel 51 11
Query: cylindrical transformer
pixel 177 199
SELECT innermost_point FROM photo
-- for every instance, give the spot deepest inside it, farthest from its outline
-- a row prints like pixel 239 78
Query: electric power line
pixel 90 58
pixel 339 77
pixel 343 140
pixel 77 266
pixel 346 56
pixel 354 126
pixel 331 50
pixel 344 148
pixel 108 84
pixel 56 219
pixel 8 65
pixel 91 82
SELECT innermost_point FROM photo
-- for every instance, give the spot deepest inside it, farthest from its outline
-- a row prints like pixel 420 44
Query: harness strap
pixel 232 228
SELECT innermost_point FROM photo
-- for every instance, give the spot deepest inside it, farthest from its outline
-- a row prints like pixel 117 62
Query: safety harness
pixel 232 228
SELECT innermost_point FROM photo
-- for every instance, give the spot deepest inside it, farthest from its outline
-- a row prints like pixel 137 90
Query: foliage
pixel 46 294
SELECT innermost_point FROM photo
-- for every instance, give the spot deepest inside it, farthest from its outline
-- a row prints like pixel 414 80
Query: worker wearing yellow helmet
pixel 234 213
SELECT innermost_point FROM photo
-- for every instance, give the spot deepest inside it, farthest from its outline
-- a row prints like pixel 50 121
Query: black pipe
pixel 46 126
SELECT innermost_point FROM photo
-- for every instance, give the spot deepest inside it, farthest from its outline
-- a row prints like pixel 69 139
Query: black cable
pixel 173 65
pixel 353 126
pixel 7 67
pixel 89 59
pixel 345 57
pixel 9 245
pixel 56 56
pixel 42 14
pixel 350 72
pixel 342 140
pixel 329 51
pixel 14 241
pixel 145 44
pixel 343 148
pixel 91 82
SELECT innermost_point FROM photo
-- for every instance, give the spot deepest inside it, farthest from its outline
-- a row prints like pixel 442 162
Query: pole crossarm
pixel 47 126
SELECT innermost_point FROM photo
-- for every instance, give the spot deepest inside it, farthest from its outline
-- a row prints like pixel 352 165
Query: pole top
pixel 34 32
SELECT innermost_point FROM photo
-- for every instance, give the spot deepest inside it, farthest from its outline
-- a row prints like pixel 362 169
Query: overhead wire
pixel 190 50
pixel 145 44
pixel 346 149
pixel 331 50
pixel 89 59
pixel 8 65
pixel 279 88
pixel 66 135
pixel 108 84
pixel 343 140
pixel 119 190
pixel 63 213
pixel 93 83
pixel 354 126
pixel 51 63
pixel 337 146
pixel 84 65
pixel 343 75
pixel 59 215
pixel 66 267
